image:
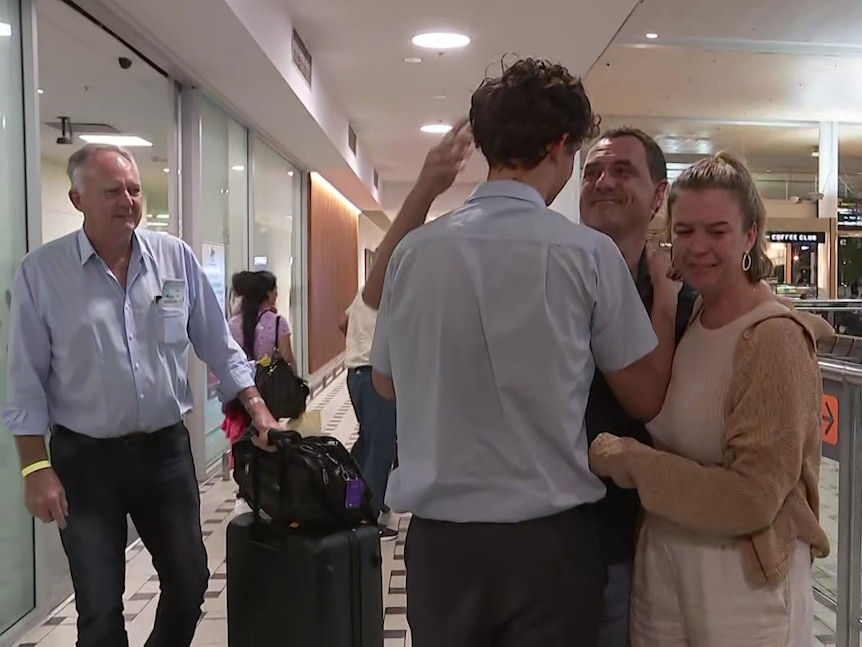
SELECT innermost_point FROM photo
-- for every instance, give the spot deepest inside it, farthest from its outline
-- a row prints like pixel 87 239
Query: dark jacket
pixel 618 511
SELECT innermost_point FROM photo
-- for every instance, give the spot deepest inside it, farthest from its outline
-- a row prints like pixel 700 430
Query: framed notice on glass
pixel 212 259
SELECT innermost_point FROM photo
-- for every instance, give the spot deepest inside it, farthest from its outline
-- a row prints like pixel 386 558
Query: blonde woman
pixel 730 491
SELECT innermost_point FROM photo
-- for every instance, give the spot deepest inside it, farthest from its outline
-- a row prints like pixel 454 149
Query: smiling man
pixel 624 186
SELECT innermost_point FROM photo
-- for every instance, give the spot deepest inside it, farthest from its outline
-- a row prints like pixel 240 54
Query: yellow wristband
pixel 35 467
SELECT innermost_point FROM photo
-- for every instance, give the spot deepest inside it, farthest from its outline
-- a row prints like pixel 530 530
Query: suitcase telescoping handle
pixel 274 437
pixel 281 440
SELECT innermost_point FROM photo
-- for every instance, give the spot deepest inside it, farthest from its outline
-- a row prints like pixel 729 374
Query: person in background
pixel 492 322
pixel 731 489
pixel 238 284
pixel 258 327
pixel 374 450
pixel 623 186
pixel 102 322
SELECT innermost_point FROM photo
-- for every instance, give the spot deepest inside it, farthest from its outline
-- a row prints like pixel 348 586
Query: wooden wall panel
pixel 333 259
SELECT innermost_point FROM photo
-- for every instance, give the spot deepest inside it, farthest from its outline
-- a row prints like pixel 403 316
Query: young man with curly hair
pixel 492 323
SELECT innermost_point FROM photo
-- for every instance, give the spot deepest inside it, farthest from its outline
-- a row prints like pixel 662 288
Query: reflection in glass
pixel 99 102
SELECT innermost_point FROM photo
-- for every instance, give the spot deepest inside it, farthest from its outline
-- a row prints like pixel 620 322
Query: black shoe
pixel 386 533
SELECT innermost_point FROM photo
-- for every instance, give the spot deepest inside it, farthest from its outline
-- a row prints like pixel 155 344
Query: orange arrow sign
pixel 829 419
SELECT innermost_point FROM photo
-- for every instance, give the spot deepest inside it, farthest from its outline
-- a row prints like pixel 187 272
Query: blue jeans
pixel 150 477
pixel 614 631
pixel 374 451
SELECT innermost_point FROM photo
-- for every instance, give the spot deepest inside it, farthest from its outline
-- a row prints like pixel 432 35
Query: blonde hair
pixel 725 171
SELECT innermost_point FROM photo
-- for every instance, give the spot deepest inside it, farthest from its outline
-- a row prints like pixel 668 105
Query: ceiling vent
pixel 301 57
pixel 351 138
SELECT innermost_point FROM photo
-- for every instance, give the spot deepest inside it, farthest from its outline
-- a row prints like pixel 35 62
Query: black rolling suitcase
pixel 291 588
pixel 310 575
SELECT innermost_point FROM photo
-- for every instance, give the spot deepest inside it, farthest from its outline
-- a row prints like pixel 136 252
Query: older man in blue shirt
pixel 101 327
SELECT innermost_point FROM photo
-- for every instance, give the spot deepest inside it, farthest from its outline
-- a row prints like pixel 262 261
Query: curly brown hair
pixel 517 116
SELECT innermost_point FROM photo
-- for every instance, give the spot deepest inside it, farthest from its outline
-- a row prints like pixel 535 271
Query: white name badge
pixel 173 293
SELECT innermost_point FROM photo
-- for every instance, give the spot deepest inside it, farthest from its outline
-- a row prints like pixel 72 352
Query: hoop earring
pixel 746 262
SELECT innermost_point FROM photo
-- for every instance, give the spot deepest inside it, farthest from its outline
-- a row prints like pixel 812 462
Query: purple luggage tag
pixel 353 496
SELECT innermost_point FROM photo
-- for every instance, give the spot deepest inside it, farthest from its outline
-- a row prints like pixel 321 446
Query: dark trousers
pixel 151 478
pixel 537 583
pixel 374 451
pixel 615 626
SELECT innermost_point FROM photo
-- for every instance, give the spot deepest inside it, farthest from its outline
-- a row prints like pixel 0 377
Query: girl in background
pixel 259 330
pixel 258 327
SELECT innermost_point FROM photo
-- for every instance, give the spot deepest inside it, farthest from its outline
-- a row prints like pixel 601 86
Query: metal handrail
pixel 844 372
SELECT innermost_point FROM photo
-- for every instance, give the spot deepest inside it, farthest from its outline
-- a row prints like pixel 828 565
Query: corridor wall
pixel 333 252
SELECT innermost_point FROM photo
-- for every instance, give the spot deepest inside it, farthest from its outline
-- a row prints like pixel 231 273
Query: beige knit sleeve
pixel 774 407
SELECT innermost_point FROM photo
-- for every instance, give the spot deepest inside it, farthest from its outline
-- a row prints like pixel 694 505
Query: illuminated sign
pixel 818 237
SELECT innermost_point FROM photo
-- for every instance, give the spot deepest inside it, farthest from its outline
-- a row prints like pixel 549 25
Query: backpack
pixel 284 393
pixel 313 482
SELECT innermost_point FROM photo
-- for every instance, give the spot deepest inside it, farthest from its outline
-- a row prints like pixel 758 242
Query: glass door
pixel 17 570
pixel 224 225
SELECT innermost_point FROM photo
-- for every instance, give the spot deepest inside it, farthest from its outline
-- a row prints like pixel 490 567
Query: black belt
pixel 135 436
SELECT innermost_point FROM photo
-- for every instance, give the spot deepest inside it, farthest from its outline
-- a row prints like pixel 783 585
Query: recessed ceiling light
pixel 412 59
pixel 237 167
pixel 5 29
pixel 40 91
pixel 652 35
pixel 436 129
pixel 290 174
pixel 441 40
pixel 166 170
pixel 116 140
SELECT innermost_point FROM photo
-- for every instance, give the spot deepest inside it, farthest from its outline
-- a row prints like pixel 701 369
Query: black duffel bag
pixel 313 481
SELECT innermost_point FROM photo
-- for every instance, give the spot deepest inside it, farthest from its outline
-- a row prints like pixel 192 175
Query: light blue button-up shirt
pixel 493 321
pixel 103 361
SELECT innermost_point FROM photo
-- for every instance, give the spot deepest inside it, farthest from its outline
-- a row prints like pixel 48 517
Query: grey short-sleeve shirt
pixel 492 322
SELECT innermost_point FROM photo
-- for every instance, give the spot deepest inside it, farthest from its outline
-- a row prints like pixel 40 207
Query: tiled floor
pixel 217 501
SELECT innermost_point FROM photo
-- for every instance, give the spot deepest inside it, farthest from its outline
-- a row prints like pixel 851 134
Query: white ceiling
pixel 360 48
pixel 716 69
pixel 765 24
pixel 81 78
pixel 726 75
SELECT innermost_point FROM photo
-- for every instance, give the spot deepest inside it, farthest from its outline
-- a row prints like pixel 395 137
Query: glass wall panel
pixel 17 575
pixel 849 211
pixel 276 236
pixel 224 214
